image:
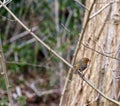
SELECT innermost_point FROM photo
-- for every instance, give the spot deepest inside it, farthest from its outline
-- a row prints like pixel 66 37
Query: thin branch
pixel 76 51
pixel 5 2
pixel 6 18
pixel 66 28
pixel 69 17
pixel 59 42
pixel 40 93
pixel 57 15
pixel 36 37
pixel 26 43
pixel 104 53
pixel 67 22
pixel 100 52
pixel 23 34
pixel 98 45
pixel 31 41
pixel 82 5
pixel 97 90
pixel 104 23
pixel 100 10
pixel 11 50
pixel 4 69
pixel 24 63
pixel 53 52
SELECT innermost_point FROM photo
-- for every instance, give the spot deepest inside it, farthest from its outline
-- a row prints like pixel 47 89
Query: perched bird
pixel 81 65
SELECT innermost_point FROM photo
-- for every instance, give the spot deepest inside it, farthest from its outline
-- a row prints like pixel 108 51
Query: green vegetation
pixel 27 60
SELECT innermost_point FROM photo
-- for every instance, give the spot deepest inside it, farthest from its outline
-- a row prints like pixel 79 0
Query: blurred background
pixel 37 77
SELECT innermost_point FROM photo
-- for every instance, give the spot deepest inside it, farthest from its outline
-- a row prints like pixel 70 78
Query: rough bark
pixel 102 34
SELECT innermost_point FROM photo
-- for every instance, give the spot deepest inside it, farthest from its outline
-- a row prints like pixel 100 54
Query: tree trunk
pixel 102 35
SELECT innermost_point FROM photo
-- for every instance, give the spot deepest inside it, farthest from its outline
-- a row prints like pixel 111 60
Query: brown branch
pixel 24 63
pixel 97 90
pixel 100 52
pixel 23 34
pixel 100 10
pixel 5 2
pixel 4 71
pixel 76 51
pixel 36 37
pixel 46 46
pixel 82 5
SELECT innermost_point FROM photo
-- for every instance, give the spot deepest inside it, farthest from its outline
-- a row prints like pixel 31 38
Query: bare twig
pixel 104 23
pixel 69 17
pixel 100 52
pixel 100 10
pixel 97 90
pixel 11 50
pixel 53 52
pixel 67 23
pixel 57 15
pixel 14 38
pixel 97 45
pixel 103 51
pixel 26 43
pixel 24 63
pixel 5 75
pixel 76 51
pixel 35 36
pixel 82 5
pixel 31 41
pixel 66 28
pixel 5 2
pixel 59 43
pixel 41 92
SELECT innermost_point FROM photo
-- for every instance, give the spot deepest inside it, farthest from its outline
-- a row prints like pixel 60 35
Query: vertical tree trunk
pixel 103 35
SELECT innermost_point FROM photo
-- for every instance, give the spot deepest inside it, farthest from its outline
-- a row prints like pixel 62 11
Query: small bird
pixel 81 65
